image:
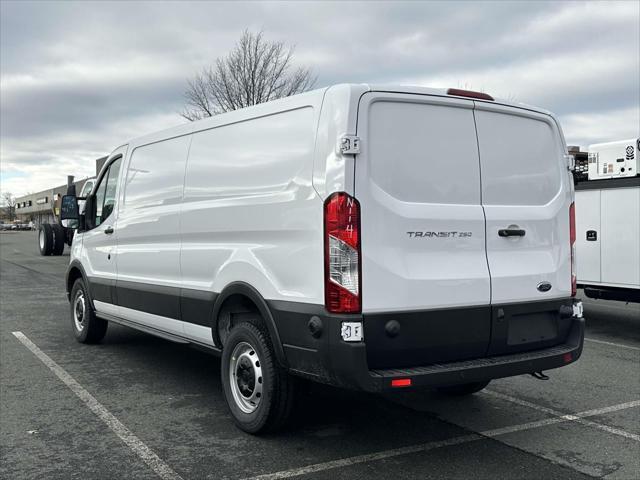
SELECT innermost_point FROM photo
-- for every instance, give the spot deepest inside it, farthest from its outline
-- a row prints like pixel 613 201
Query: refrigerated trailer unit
pixel 614 159
pixel 608 238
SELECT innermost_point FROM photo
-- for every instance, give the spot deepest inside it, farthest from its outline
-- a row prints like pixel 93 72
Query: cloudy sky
pixel 78 79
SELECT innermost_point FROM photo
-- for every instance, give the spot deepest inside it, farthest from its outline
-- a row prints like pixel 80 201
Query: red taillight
pixel 469 93
pixel 342 253
pixel 401 382
pixel 572 245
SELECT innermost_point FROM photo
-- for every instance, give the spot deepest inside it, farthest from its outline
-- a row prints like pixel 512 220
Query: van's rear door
pixel 424 262
pixel 525 190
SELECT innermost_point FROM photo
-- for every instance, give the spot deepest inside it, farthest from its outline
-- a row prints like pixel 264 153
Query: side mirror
pixel 69 211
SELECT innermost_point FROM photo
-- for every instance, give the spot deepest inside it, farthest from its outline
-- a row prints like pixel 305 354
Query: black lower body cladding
pixel 192 306
pixel 432 347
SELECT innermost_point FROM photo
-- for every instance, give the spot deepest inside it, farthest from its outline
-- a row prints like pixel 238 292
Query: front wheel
pixel 259 393
pixel 87 328
pixel 464 389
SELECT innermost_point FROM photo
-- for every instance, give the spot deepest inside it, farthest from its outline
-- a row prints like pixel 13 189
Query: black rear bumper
pixel 325 357
pixel 490 367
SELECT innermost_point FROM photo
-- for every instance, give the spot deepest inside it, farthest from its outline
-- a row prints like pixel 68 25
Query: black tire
pixel 59 239
pixel 91 329
pixel 45 239
pixel 464 389
pixel 276 397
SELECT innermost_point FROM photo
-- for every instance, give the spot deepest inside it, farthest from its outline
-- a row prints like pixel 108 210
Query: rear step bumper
pixel 326 358
pixel 467 371
pixel 486 368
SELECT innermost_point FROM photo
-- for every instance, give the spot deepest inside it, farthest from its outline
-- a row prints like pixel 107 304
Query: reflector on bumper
pixel 577 309
pixel 351 331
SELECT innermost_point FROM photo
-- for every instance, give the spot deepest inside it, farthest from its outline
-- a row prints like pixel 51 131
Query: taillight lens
pixel 342 253
pixel 572 243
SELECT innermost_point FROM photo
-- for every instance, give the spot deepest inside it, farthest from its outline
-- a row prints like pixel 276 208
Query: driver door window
pixel 110 194
pixel 106 192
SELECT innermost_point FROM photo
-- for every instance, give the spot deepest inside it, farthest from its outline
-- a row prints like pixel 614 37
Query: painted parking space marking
pixel 612 344
pixel 577 417
pixel 425 447
pixel 132 441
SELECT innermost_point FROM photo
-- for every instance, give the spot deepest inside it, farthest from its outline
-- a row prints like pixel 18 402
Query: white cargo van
pixel 367 237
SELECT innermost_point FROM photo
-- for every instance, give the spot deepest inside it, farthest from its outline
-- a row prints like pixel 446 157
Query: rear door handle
pixel 511 232
pixel 108 230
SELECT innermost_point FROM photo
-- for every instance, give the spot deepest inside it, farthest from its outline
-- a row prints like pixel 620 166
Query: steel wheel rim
pixel 245 376
pixel 79 310
pixel 41 239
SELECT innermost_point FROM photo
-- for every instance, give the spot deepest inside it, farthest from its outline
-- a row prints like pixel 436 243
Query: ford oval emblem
pixel 544 287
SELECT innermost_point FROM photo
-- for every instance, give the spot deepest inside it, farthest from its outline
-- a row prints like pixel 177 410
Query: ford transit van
pixel 369 237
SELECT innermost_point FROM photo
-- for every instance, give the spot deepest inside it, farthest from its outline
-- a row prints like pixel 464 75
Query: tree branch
pixel 255 71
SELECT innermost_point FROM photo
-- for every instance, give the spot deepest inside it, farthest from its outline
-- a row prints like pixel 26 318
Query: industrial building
pixel 44 206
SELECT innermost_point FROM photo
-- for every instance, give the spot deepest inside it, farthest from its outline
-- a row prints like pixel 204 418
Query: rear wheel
pixel 259 393
pixel 464 389
pixel 87 328
pixel 59 239
pixel 45 239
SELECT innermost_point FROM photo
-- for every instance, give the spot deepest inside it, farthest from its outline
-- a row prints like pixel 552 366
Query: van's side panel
pixel 525 184
pixel 250 213
pixel 148 232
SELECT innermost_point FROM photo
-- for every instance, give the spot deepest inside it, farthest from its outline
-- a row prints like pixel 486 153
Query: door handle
pixel 511 232
pixel 108 230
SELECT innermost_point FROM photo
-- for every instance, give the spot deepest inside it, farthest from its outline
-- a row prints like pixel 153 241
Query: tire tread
pixel 282 395
pixel 96 328
pixel 48 239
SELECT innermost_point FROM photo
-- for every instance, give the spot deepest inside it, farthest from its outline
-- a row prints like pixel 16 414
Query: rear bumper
pixel 328 359
pixel 485 368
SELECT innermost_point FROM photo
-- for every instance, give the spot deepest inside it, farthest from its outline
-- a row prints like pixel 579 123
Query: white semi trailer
pixel 608 223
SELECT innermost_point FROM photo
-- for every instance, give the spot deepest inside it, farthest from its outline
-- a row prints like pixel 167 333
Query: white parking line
pixel 134 443
pixel 369 457
pixel 611 343
pixel 425 447
pixel 577 417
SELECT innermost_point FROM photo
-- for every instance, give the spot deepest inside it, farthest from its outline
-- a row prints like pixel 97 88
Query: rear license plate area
pixel 532 328
pixel 521 327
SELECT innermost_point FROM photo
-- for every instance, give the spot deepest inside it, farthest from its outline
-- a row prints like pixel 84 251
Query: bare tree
pixel 255 71
pixel 9 205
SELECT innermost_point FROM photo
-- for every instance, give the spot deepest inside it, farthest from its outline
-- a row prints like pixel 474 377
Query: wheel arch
pixel 243 290
pixel 75 271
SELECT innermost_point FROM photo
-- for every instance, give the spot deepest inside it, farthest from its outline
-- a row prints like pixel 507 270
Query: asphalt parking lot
pixel 140 407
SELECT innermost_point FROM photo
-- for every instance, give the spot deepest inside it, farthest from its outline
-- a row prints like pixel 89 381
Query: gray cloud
pixel 78 79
